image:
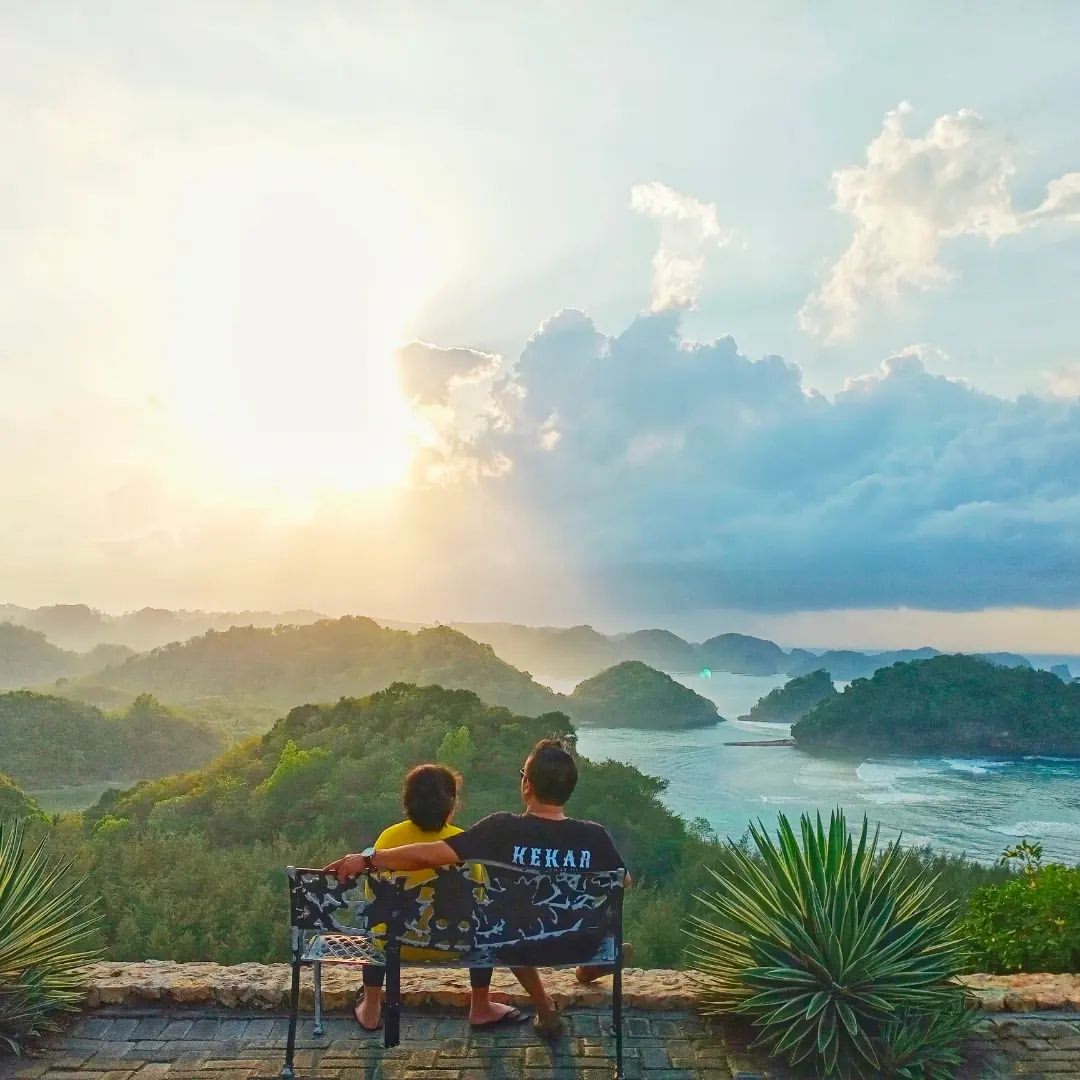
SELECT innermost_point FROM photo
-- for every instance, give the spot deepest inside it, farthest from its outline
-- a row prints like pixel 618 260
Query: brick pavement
pixel 201 1044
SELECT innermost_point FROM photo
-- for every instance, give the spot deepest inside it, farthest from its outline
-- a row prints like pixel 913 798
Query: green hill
pixel 632 694
pixel 953 704
pixel 333 773
pixel 15 803
pixel 27 657
pixel 324 661
pixel 49 741
pixel 789 703
pixel 742 655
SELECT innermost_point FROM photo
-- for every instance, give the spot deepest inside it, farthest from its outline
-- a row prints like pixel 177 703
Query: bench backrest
pixel 456 909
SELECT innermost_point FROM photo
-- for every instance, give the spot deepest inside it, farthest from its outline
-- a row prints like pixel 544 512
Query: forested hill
pixel 27 658
pixel 331 774
pixel 950 704
pixel 52 742
pixel 632 694
pixel 789 703
pixel 15 803
pixel 323 661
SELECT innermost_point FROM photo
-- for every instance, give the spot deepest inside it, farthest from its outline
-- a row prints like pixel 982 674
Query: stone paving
pixel 201 1044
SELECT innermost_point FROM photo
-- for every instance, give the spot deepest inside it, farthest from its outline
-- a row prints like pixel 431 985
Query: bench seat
pixel 479 914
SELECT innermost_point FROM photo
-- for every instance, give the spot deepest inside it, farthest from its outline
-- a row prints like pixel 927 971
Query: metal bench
pixel 504 916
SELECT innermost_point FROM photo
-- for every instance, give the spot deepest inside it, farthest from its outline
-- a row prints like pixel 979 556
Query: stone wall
pixel 266 986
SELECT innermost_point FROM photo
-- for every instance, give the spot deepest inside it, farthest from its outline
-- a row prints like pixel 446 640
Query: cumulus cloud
pixel 689 475
pixel 688 229
pixel 461 399
pixel 912 195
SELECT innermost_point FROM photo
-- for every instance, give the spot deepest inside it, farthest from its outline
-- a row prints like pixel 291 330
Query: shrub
pixel 835 951
pixel 41 936
pixel 1029 924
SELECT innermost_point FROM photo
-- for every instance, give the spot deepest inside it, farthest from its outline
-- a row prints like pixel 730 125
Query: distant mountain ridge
pixel 28 658
pixel 581 650
pixel 80 627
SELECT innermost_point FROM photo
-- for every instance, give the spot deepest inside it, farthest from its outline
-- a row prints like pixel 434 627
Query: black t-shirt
pixel 540 843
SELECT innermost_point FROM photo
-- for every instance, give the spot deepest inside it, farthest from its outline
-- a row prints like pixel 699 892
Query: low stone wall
pixel 266 986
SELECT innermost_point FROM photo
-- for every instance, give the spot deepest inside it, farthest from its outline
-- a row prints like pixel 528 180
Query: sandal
pixel 514 1016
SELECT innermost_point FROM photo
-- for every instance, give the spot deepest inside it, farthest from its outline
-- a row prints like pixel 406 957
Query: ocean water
pixel 976 806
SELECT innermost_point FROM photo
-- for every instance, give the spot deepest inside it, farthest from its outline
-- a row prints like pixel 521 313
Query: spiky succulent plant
pixel 840 955
pixel 43 928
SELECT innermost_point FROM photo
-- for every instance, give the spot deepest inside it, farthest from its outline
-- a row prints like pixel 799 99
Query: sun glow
pixel 291 290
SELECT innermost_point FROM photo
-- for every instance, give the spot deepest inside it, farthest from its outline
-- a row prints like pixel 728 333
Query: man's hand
pixel 347 867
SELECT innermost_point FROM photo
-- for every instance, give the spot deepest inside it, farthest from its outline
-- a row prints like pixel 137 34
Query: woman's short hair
pixel 429 794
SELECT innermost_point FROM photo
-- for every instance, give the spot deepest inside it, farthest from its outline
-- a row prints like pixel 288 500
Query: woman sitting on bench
pixel 429 795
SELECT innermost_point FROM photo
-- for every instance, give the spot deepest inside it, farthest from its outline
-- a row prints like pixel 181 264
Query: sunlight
pixel 291 290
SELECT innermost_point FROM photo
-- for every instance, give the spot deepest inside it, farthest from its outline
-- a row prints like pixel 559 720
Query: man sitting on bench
pixel 542 837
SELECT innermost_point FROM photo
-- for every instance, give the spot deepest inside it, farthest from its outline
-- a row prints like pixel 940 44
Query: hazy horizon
pixel 970 632
pixel 612 314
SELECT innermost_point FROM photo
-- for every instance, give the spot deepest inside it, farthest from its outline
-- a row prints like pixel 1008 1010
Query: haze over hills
pixel 580 651
pixel 282 666
pixel 80 627
pixel 276 668
pixel 577 651
pixel 28 658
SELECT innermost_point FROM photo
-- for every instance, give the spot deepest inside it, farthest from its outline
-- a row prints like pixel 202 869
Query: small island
pixel 789 703
pixel 950 704
pixel 632 694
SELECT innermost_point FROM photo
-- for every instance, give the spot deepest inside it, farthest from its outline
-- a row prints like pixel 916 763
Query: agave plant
pixel 43 929
pixel 836 952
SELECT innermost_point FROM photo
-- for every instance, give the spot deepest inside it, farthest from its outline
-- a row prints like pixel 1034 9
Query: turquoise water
pixel 977 806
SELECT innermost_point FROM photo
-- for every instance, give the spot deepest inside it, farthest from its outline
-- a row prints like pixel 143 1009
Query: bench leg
pixel 287 1070
pixel 392 1006
pixel 316 971
pixel 616 1017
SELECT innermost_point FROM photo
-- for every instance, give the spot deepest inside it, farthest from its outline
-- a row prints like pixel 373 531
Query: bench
pixel 482 914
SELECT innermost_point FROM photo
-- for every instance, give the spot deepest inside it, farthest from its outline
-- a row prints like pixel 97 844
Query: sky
pixel 710 316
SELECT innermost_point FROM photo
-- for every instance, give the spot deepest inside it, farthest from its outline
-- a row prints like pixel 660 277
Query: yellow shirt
pixel 406 832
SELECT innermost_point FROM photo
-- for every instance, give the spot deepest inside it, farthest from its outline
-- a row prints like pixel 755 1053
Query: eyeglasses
pixel 522 772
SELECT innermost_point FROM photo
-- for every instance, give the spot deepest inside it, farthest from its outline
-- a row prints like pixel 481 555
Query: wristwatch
pixel 368 855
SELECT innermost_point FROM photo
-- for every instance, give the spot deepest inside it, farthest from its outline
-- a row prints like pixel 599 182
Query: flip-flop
pixel 514 1016
pixel 549 1031
pixel 364 1027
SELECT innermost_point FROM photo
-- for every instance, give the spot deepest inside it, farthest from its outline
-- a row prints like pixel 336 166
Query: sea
pixel 973 806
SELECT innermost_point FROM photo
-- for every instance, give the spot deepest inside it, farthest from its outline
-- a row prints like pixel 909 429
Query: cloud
pixel 912 196
pixel 1065 383
pixel 461 398
pixel 688 476
pixel 688 229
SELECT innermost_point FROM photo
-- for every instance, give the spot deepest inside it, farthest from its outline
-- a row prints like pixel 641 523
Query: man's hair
pixel 429 795
pixel 551 771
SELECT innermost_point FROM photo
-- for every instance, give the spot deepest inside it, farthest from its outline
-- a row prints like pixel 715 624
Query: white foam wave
pixel 888 797
pixel 1060 830
pixel 886 774
pixel 975 766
